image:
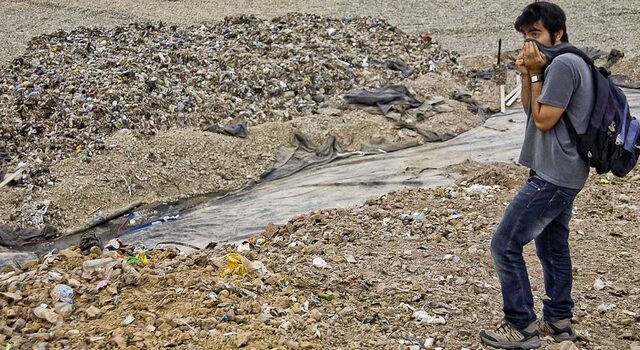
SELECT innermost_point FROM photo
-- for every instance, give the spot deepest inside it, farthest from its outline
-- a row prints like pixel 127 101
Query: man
pixel 551 95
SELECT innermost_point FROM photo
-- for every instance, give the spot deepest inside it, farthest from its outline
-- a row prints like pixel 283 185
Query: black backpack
pixel 611 140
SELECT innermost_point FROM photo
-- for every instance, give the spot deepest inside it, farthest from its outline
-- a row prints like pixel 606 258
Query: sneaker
pixel 508 337
pixel 560 331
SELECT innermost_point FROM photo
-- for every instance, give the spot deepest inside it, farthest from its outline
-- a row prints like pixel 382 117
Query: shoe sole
pixel 533 343
pixel 559 338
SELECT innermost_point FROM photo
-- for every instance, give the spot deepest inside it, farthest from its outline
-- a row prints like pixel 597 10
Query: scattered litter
pixel 114 245
pixel 128 320
pixel 419 216
pixel 138 259
pixel 62 293
pixel 599 284
pixel 396 65
pixel 237 265
pixel 602 308
pixel 320 263
pixel 423 317
pixel 451 257
pixel 237 130
pixel 326 296
pixel 384 98
pixel 480 189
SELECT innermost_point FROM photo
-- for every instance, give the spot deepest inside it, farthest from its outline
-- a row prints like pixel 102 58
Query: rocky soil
pixel 409 270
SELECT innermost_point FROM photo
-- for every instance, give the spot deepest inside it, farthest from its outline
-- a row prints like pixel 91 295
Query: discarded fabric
pixel 384 98
pixel 397 65
pixel 237 130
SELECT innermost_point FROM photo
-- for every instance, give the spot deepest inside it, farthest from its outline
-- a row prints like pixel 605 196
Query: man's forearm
pixel 535 92
pixel 525 94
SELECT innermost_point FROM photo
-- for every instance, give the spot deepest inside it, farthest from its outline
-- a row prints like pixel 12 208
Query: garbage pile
pixel 70 90
pixel 408 270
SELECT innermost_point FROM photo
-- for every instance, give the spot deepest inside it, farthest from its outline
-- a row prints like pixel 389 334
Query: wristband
pixel 536 79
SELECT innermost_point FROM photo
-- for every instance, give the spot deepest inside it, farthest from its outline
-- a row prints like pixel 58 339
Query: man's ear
pixel 558 35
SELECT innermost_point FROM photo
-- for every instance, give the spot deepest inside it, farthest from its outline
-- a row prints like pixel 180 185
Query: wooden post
pixel 503 107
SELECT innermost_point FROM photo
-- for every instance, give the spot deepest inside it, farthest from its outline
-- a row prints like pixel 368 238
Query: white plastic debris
pixel 599 284
pixel 428 343
pixel 418 216
pixel 258 267
pixel 319 263
pixel 480 189
pixel 451 257
pixel 605 307
pixel 424 317
pixel 128 320
pixel 244 247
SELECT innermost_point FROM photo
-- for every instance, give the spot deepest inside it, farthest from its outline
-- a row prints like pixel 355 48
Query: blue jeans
pixel 540 211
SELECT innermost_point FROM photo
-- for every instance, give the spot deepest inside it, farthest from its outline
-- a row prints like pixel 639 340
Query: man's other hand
pixel 520 64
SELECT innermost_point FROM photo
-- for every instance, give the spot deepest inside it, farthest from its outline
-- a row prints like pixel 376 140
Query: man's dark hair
pixel 551 15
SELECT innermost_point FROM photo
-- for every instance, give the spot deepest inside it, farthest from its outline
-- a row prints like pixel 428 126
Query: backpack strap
pixel 576 51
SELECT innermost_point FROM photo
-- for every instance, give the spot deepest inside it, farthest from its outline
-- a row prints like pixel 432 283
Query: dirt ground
pixel 472 28
pixel 408 270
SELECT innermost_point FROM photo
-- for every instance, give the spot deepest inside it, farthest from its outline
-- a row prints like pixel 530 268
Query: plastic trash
pixel 599 284
pixel 237 130
pixel 138 259
pixel 326 296
pixel 319 263
pixel 55 276
pixel 423 317
pixel 237 265
pixel 244 247
pixel 480 189
pixel 419 216
pixel 451 257
pixel 113 245
pixel 98 263
pixel 128 320
pixel 62 293
pixel 258 268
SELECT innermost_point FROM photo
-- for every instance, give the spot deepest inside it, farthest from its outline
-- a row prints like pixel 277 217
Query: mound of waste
pixel 70 90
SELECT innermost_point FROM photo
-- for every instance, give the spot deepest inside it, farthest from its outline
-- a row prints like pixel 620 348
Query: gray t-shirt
pixel 568 84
